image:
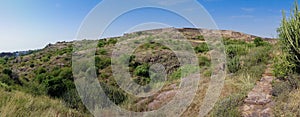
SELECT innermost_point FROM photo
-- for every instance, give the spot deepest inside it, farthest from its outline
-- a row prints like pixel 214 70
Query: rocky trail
pixel 259 100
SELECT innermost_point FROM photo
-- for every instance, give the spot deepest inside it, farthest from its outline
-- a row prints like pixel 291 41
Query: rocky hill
pixel 48 71
pixel 193 33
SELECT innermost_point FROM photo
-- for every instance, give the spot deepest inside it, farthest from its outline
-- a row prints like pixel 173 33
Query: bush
pixel 40 70
pixel 55 87
pixel 7 71
pixel 115 94
pixel 142 80
pixel 200 37
pixel 228 107
pixel 2 61
pixel 233 64
pixel 102 51
pixel 5 78
pixel 201 48
pixel 31 65
pixel 203 61
pixel 112 41
pixel 259 42
pixel 228 41
pixel 184 71
pixel 45 59
pixel 35 89
pixel 101 43
pixel 235 50
pixel 142 70
pixel 282 66
pixel 102 63
pixel 5 86
pixel 280 88
pixel 72 99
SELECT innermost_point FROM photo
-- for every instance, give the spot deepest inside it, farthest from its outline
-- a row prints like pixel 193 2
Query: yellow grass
pixel 19 104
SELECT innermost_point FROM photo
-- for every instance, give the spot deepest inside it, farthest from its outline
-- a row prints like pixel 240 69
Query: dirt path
pixel 259 101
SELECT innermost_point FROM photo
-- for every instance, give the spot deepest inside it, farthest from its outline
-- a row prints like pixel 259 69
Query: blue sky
pixel 31 24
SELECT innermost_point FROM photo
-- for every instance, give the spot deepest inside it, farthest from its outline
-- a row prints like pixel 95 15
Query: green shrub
pixel 40 77
pixel 228 41
pixel 35 88
pixel 102 62
pixel 72 99
pixel 115 94
pixel 235 50
pixel 142 70
pixel 184 71
pixel 200 37
pixel 142 80
pixel 7 71
pixel 102 51
pixel 291 83
pixel 201 48
pixel 66 73
pixel 280 88
pixel 233 64
pixel 2 61
pixel 259 42
pixel 203 61
pixel 101 43
pixel 282 66
pixel 5 86
pixel 5 78
pixel 257 55
pixel 31 65
pixel 45 59
pixel 228 107
pixel 112 41
pixel 55 87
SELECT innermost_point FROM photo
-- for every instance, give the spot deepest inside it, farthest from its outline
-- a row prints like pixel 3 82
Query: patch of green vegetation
pixel 115 94
pixel 288 62
pixel 204 61
pixel 184 71
pixel 233 64
pixel 202 48
pixel 228 107
pixel 102 62
pixel 101 43
pixel 259 42
pixel 200 37
pixel 142 73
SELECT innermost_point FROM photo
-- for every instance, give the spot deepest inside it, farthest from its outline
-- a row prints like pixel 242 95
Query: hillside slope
pixel 47 72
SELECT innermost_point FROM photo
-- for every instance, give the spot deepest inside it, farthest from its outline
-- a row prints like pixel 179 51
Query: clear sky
pixel 32 24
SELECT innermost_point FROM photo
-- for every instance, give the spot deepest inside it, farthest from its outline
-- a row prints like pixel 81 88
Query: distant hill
pixel 192 33
pixel 15 54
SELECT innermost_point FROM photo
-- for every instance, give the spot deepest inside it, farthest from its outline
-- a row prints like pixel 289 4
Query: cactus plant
pixel 289 34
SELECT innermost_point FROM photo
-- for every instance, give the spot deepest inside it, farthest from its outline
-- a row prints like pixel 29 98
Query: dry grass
pixel 16 104
pixel 287 105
